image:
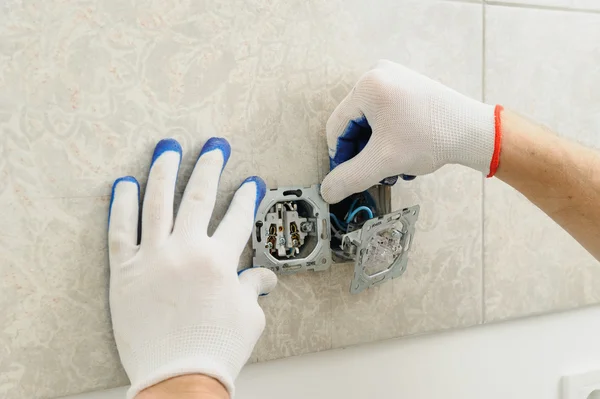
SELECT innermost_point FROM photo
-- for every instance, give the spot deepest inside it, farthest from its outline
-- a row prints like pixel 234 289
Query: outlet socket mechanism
pixel 292 231
pixel 296 231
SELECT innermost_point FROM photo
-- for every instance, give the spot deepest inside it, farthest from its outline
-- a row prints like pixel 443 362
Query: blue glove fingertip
pixel 164 146
pixel 129 179
pixel 249 268
pixel 261 190
pixel 217 143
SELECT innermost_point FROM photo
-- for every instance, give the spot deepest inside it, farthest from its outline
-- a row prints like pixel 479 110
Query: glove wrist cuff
pixel 495 162
pixel 479 140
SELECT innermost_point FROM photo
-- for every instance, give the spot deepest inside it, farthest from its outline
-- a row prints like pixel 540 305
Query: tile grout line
pixel 465 1
pixel 324 147
pixel 540 7
pixel 483 68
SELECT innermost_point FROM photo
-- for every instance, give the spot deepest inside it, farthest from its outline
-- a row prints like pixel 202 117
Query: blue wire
pixel 351 207
pixel 353 203
pixel 360 208
pixel 371 200
pixel 340 225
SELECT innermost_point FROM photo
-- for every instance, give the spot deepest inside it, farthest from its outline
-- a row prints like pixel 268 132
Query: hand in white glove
pixel 398 122
pixel 177 304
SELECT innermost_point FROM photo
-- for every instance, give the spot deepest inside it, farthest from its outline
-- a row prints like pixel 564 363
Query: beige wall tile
pixel 549 72
pixel 56 337
pixel 442 286
pixel 56 333
pixel 298 316
pixel 89 87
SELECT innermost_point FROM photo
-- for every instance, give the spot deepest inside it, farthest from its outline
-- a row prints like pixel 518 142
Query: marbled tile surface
pixel 87 87
pixel 550 73
pixel 442 286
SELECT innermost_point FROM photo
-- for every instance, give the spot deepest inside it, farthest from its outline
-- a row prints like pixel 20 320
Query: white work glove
pixel 177 304
pixel 398 122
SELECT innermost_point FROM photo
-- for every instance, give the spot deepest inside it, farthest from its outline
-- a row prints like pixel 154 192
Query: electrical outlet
pixel 581 386
pixel 297 231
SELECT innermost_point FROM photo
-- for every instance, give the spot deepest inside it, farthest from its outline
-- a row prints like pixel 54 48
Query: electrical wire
pixel 340 225
pixel 367 197
pixel 370 200
pixel 355 212
pixel 336 233
pixel 352 212
pixel 351 208
pixel 353 204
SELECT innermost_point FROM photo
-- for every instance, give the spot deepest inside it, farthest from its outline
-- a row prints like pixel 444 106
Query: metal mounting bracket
pixel 380 248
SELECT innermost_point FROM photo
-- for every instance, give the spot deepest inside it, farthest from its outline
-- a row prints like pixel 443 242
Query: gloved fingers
pixel 258 280
pixel 348 130
pixel 237 225
pixel 353 176
pixel 123 216
pixel 157 211
pixel 200 193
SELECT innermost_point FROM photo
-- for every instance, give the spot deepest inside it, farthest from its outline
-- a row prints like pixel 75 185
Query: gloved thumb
pixel 258 279
pixel 353 176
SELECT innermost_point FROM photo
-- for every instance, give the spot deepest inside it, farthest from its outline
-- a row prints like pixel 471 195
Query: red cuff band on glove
pixel 497 140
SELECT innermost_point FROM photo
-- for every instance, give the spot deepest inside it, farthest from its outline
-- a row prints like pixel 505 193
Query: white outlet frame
pixel 580 386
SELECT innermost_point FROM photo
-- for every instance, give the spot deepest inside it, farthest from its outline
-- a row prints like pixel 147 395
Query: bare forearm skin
pixel 193 386
pixel 561 177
